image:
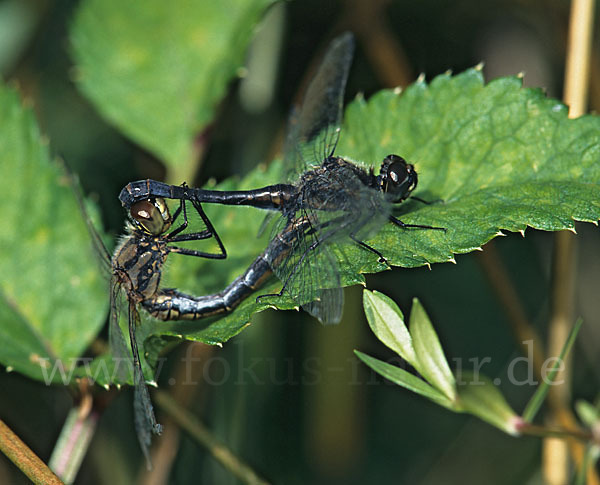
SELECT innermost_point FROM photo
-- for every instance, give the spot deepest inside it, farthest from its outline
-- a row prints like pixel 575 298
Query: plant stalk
pixel 563 285
pixel 25 459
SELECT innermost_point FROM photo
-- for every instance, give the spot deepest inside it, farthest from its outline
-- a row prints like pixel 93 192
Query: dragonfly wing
pixel 328 307
pixel 309 270
pixel 336 206
pixel 118 346
pixel 99 248
pixel 267 221
pixel 145 421
pixel 314 129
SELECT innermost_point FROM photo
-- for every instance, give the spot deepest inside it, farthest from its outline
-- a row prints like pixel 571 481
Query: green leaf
pixel 538 397
pixel 156 70
pixel 405 379
pixel 500 157
pixel 52 298
pixel 431 362
pixel 480 397
pixel 477 395
pixel 387 323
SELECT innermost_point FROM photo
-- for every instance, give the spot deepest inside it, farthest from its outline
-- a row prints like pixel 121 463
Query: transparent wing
pixel 328 307
pixel 100 250
pixel 308 270
pixel 145 421
pixel 336 207
pixel 118 346
pixel 267 221
pixel 314 129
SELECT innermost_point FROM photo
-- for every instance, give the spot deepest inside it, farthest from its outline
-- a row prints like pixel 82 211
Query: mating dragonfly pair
pixel 327 200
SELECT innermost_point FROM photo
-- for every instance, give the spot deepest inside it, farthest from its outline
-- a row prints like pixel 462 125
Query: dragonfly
pixel 135 270
pixel 326 200
pixel 171 304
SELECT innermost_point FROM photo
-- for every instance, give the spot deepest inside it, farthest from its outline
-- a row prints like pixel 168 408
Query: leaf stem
pixel 203 435
pixel 24 458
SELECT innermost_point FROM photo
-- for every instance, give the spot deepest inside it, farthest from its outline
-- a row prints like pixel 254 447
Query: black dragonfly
pixel 135 270
pixel 327 200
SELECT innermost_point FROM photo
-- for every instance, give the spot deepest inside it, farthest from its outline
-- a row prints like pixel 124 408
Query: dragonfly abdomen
pixel 271 197
pixel 171 304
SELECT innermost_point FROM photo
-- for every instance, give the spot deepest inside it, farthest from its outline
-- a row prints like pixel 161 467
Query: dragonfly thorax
pixel 397 179
pixel 151 216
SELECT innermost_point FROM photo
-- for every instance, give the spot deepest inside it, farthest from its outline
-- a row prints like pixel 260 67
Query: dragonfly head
pixel 151 216
pixel 397 179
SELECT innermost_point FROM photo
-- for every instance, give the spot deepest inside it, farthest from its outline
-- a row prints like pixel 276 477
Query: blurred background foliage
pixel 288 395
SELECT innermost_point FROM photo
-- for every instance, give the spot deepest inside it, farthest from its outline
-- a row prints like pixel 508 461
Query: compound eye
pixel 399 178
pixel 147 215
pixel 398 173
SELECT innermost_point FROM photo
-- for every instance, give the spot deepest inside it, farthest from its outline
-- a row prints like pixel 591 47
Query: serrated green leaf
pixel 499 156
pixel 405 379
pixel 431 361
pixel 480 397
pixel 387 323
pixel 157 70
pixel 52 297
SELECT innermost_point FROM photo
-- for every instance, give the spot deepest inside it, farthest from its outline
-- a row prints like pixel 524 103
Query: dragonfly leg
pixel 401 224
pixel 292 273
pixel 285 283
pixel 193 252
pixel 193 236
pixel 268 295
pixel 210 227
pixel 174 235
pixel 178 211
pixel 368 248
pixel 184 224
pixel 426 202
